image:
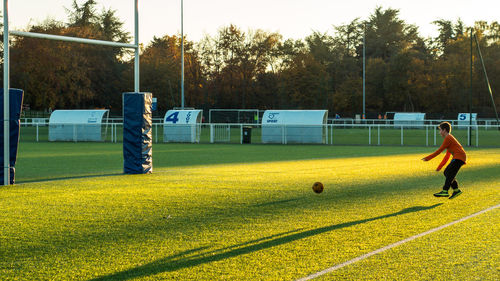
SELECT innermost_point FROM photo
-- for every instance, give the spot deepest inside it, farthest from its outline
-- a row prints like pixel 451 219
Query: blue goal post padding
pixel 137 134
pixel 15 103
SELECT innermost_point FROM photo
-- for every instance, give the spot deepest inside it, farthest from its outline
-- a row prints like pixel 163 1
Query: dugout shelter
pixel 294 126
pixel 78 125
pixel 464 120
pixel 181 125
pixel 409 119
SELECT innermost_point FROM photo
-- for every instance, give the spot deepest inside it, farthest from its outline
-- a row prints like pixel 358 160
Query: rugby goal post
pixel 6 77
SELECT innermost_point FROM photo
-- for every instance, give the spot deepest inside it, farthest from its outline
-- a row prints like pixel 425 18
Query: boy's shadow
pixel 183 260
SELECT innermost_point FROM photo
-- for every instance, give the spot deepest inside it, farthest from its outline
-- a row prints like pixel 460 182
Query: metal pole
pixel 6 129
pixel 136 40
pixel 469 137
pixel 182 54
pixel 486 77
pixel 364 68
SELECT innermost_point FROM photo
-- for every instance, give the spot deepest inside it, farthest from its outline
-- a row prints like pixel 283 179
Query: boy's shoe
pixel 455 193
pixel 442 193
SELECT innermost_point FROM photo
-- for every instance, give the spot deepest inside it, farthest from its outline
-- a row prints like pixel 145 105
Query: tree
pixel 105 64
pixel 349 36
pixel 161 72
pixel 257 69
pixel 387 35
pixel 84 15
pixel 448 32
pixel 71 75
pixel 405 81
pixel 306 83
pixel 232 62
pixel 49 71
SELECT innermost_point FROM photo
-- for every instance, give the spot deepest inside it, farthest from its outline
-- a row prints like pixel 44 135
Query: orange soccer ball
pixel 318 187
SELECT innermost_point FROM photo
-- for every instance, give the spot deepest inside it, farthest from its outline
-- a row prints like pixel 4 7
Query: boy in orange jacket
pixel 454 148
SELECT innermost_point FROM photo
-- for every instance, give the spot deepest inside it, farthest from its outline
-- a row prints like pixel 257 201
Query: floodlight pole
pixel 182 54
pixel 6 102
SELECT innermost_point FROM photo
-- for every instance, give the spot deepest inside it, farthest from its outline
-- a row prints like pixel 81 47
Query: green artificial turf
pixel 245 212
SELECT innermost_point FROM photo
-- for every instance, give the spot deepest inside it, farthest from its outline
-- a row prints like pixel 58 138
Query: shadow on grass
pixel 171 263
pixel 71 178
pixel 277 202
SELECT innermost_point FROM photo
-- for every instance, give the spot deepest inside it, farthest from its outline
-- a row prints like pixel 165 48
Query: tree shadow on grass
pixel 176 262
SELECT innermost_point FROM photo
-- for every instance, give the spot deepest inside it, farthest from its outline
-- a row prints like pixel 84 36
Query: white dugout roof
pixel 295 117
pixel 78 116
pixel 294 126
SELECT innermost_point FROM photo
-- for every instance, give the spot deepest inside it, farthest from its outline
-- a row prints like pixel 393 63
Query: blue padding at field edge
pixel 15 105
pixel 137 133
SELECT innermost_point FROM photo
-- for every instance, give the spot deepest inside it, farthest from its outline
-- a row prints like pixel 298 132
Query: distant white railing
pixel 331 134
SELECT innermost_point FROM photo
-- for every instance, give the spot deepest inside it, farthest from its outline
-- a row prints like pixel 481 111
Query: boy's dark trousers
pixel 450 172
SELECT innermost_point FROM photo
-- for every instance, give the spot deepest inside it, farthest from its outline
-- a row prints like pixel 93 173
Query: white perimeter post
pixel 325 128
pixel 369 135
pixel 469 141
pixel 6 129
pixel 378 135
pixel 331 133
pixel 477 136
pixel 212 133
pixel 426 135
pixel 434 137
pixel 156 132
pixel 401 134
pixel 283 134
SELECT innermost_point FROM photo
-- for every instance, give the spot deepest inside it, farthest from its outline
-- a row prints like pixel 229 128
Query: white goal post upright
pixel 6 119
pixel 6 86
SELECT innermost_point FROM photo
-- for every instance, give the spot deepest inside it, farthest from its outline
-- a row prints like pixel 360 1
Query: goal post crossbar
pixel 73 39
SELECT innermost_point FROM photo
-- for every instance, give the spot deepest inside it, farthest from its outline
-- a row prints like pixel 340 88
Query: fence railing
pixel 345 121
pixel 330 134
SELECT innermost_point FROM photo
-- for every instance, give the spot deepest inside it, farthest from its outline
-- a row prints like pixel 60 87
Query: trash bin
pixel 247 134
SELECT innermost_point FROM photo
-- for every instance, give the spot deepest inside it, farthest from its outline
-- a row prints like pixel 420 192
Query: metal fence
pixel 485 135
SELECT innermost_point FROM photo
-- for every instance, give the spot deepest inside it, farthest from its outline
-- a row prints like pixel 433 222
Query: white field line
pixel 338 266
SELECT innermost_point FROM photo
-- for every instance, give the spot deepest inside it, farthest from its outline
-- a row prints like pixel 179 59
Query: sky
pixel 294 19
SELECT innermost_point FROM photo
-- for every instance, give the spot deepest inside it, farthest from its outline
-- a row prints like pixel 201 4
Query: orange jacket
pixel 453 147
